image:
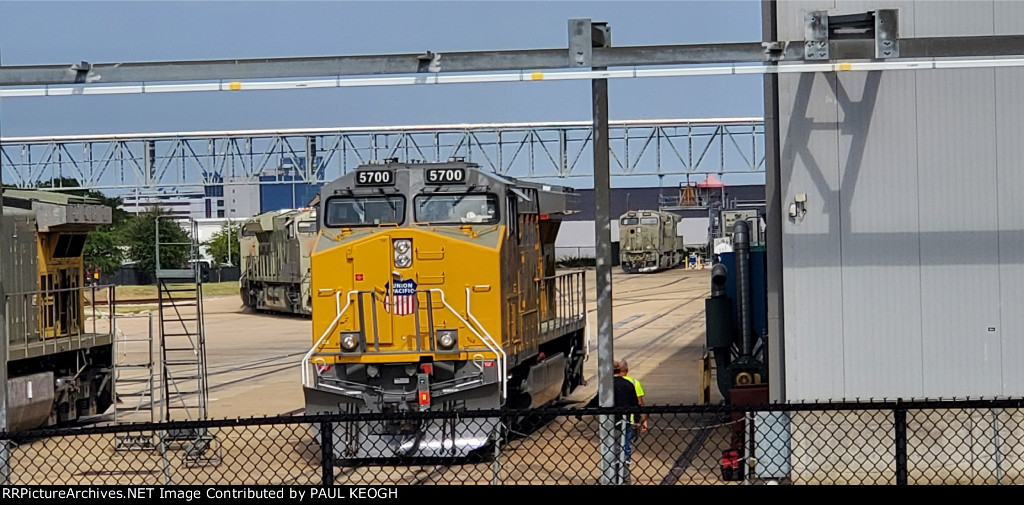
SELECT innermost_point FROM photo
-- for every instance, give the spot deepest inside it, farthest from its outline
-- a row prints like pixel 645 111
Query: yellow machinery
pixel 434 288
pixel 57 370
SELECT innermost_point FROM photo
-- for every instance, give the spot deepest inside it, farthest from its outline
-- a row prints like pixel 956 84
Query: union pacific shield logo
pixel 401 297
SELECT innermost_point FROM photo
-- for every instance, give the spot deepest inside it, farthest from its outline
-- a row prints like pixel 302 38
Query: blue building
pixel 277 191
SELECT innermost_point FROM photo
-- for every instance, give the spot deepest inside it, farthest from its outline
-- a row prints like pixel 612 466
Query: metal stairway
pixel 183 373
pixel 135 391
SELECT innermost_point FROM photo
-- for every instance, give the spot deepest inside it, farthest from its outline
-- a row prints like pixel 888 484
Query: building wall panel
pixel 812 278
pixel 959 240
pixel 954 18
pixel 903 278
pixel 879 239
pixel 1008 17
pixel 1010 181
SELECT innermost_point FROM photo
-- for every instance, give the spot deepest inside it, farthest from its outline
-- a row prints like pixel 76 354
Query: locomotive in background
pixel 56 370
pixel 649 241
pixel 275 250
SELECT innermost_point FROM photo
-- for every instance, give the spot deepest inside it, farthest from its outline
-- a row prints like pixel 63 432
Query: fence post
pixel 496 463
pixel 327 453
pixel 5 462
pixel 165 461
pixel 900 418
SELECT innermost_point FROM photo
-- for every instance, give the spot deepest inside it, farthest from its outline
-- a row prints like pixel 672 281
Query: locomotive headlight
pixel 349 341
pixel 403 253
pixel 446 339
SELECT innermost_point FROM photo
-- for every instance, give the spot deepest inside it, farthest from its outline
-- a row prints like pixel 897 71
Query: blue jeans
pixel 627 440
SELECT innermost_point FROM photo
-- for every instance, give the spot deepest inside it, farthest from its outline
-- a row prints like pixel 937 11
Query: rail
pixel 308 357
pixel 566 294
pixel 488 341
pixel 41 318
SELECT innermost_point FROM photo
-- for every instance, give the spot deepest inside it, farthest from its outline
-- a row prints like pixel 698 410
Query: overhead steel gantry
pixel 527 150
pixel 872 38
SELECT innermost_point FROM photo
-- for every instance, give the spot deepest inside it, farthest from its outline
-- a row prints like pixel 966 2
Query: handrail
pixel 306 359
pixel 579 290
pixel 488 341
pixel 47 297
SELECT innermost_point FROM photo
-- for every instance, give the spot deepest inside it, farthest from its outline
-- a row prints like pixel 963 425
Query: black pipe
pixel 741 244
pixel 718 278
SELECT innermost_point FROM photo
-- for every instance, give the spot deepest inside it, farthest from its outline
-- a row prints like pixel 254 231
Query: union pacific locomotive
pixel 434 288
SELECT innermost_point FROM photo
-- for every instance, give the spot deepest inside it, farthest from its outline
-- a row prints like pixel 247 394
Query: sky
pixel 47 33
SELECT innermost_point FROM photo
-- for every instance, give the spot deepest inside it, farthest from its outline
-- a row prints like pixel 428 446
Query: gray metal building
pixel 902 222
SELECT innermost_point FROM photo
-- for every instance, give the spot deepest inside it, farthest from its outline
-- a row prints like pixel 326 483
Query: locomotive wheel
pixel 247 304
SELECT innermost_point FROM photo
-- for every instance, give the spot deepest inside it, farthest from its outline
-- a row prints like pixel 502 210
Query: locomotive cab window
pixel 630 221
pixel 307 226
pixel 466 208
pixel 648 220
pixel 69 245
pixel 364 210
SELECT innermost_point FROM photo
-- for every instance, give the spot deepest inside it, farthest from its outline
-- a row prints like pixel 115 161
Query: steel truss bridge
pixel 526 150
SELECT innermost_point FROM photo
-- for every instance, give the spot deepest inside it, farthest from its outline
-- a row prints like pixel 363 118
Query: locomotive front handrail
pixel 308 379
pixel 307 360
pixel 488 341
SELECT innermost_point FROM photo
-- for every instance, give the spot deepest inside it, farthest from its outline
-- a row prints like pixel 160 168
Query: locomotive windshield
pixel 630 221
pixel 307 226
pixel 648 220
pixel 364 210
pixel 477 208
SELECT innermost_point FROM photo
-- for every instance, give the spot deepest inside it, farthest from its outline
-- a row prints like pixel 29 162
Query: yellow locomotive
pixel 434 288
pixel 57 370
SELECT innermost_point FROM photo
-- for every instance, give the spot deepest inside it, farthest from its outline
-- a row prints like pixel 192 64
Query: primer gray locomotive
pixel 649 242
pixel 275 248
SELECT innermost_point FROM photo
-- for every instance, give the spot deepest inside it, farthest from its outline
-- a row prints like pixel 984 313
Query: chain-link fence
pixel 893 442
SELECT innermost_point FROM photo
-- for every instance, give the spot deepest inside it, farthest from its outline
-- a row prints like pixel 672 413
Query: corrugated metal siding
pixel 1008 17
pixel 959 246
pixel 812 280
pixel 904 277
pixel 1009 158
pixel 879 238
pixel 953 18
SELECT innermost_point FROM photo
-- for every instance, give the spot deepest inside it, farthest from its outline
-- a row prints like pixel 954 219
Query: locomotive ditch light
pixel 349 342
pixel 446 339
pixel 403 253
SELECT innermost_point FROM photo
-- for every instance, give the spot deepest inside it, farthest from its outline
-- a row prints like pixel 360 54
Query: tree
pixel 139 235
pixel 103 250
pixel 224 246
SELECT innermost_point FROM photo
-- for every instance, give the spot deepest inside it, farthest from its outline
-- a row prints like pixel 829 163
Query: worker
pixel 624 366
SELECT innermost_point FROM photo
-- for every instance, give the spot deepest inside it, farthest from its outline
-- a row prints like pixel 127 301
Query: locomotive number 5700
pixel 375 177
pixel 445 175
